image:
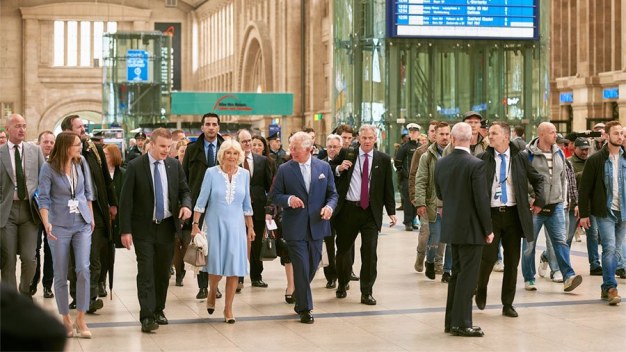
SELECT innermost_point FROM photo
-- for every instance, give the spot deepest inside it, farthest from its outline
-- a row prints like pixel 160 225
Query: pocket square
pixel 321 177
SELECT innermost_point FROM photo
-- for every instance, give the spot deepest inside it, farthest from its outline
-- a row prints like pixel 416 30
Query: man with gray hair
pixel 548 159
pixel 365 186
pixel 460 182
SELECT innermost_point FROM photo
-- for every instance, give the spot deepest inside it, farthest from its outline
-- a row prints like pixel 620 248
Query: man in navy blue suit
pixel 305 188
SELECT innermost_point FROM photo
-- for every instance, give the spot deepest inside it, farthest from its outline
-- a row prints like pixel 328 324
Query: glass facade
pixel 390 82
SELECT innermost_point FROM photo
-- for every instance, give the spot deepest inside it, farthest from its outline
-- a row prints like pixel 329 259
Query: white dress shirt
pixel 354 192
pixel 20 146
pixel 510 191
pixel 163 175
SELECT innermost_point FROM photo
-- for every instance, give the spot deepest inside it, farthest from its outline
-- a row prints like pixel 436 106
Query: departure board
pixel 481 19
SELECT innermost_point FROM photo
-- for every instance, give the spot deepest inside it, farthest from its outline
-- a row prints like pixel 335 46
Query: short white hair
pixel 230 144
pixel 367 127
pixel 303 138
pixel 462 132
pixel 333 136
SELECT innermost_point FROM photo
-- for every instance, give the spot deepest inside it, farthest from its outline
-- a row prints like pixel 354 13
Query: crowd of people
pixel 477 192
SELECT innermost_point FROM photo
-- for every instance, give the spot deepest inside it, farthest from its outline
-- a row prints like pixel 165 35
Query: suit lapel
pixel 295 167
pixel 147 166
pixel 171 182
pixel 6 160
pixel 29 155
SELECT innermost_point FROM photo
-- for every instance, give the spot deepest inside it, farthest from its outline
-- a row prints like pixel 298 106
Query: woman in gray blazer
pixel 65 197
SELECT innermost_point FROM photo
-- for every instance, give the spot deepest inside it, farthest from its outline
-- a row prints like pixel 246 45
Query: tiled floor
pixel 409 315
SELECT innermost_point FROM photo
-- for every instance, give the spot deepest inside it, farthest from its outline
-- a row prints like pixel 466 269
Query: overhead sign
pixel 610 93
pixel 193 103
pixel 137 65
pixel 480 19
pixel 566 97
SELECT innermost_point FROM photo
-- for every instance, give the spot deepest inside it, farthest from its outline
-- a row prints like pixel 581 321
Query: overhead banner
pixel 195 103
pixel 172 29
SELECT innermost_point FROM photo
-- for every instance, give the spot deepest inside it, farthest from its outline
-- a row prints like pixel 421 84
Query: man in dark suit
pixel 199 156
pixel 104 209
pixel 152 213
pixel 364 185
pixel 305 188
pixel 460 182
pixel 508 175
pixel 260 183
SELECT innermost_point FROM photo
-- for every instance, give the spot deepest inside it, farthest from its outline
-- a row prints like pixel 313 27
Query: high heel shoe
pixel 210 308
pixel 84 334
pixel 289 298
pixel 69 328
pixel 229 320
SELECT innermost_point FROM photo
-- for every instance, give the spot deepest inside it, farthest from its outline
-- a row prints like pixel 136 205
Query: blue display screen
pixel 488 19
pixel 610 93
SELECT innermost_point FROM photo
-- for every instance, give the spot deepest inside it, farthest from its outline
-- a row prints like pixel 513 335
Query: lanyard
pixel 73 181
pixel 508 169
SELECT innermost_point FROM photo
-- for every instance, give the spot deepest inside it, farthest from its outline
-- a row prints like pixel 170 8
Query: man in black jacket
pixel 508 174
pixel 199 156
pixel 104 209
pixel 605 202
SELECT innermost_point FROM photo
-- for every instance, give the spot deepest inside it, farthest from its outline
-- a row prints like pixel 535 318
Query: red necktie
pixel 365 195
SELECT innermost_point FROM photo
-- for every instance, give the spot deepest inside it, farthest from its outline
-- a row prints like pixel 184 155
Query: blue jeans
pixel 447 261
pixel 434 229
pixel 570 225
pixel 592 244
pixel 611 232
pixel 555 231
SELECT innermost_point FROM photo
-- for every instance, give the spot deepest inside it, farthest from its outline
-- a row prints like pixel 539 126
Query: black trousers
pixel 330 271
pixel 355 220
pixel 48 269
pixel 256 264
pixel 409 209
pixel 508 228
pixel 154 251
pixel 465 266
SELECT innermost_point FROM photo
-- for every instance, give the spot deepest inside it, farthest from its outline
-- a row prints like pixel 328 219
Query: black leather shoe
pixel 47 292
pixel 430 270
pixel 368 299
pixel 202 293
pixel 102 289
pixel 94 305
pixel 73 304
pixel 33 290
pixel 179 282
pixel 148 324
pixel 331 284
pixel 353 277
pixel 621 273
pixel 218 294
pixel 445 278
pixel 160 318
pixel 481 298
pixel 239 287
pixel 509 311
pixel 306 317
pixel 259 283
pixel 408 227
pixel 341 292
pixel 467 332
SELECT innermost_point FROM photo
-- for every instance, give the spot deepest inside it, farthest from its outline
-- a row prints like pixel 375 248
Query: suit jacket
pixel 195 165
pixel 102 186
pixel 461 183
pixel 522 174
pixel 260 184
pixel 381 193
pixel 289 182
pixel 54 194
pixel 137 200
pixel 33 159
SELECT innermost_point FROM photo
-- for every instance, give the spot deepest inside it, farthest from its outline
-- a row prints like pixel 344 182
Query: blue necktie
pixel 210 157
pixel 503 198
pixel 159 213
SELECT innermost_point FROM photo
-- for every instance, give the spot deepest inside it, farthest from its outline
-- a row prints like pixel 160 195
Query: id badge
pixel 73 205
pixel 271 225
pixel 497 193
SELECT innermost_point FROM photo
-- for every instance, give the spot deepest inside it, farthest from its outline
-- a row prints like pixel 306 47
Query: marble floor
pixel 408 317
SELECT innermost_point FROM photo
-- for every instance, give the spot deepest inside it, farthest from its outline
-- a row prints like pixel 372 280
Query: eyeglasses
pixel 245 141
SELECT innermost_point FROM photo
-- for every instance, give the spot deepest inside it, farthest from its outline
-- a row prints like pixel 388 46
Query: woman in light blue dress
pixel 225 197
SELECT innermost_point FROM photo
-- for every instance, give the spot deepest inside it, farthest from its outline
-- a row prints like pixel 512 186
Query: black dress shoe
pixel 430 270
pixel 218 294
pixel 353 277
pixel 33 290
pixel 148 324
pixel 445 278
pixel 481 298
pixel 202 293
pixel 341 292
pixel 408 227
pixel 94 305
pixel 160 318
pixel 368 299
pixel 73 304
pixel 467 332
pixel 102 289
pixel 331 284
pixel 306 317
pixel 179 282
pixel 509 311
pixel 239 287
pixel 259 283
pixel 47 292
pixel 621 273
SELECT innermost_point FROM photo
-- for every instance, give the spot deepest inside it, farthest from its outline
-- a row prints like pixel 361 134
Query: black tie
pixel 210 157
pixel 19 175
